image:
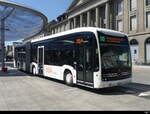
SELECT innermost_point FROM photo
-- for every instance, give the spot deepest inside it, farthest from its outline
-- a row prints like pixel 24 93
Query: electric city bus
pixel 91 57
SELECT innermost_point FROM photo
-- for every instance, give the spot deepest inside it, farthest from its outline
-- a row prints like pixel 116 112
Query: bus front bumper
pixel 108 84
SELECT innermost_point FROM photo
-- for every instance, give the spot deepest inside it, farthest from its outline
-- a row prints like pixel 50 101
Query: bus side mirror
pixel 75 64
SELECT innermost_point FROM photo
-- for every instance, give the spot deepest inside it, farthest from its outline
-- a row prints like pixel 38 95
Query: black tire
pixel 33 71
pixel 18 66
pixel 68 78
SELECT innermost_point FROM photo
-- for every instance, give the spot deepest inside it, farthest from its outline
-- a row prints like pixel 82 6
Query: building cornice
pixel 79 6
pixel 137 34
pixel 59 23
pixel 85 7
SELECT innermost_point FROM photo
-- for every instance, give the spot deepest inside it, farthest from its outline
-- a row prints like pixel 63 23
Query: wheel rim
pixel 34 72
pixel 69 79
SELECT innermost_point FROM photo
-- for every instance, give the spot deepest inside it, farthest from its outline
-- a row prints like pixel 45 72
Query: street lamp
pixel 2 32
pixel 2 35
pixel 2 43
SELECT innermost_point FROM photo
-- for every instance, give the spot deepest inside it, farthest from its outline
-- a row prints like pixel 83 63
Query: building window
pixel 148 19
pixel 133 23
pixel 147 2
pixel 120 25
pixel 135 51
pixel 120 7
pixel 133 5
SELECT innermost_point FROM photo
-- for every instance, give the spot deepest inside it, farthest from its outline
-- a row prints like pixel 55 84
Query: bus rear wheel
pixel 34 71
pixel 68 78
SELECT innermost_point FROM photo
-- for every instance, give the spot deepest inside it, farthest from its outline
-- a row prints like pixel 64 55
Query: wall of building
pixel 111 14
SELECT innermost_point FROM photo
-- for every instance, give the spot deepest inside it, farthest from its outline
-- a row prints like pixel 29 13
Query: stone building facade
pixel 129 16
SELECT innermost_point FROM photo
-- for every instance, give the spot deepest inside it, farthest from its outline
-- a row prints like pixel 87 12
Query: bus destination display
pixel 105 39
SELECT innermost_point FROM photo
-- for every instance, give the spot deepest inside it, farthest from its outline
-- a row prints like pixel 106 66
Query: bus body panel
pixel 97 79
pixel 53 72
pixel 115 83
pixel 57 72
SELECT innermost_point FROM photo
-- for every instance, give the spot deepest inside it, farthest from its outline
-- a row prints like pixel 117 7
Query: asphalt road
pixel 20 91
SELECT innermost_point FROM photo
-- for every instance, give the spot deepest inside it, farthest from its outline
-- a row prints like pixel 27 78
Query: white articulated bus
pixel 91 57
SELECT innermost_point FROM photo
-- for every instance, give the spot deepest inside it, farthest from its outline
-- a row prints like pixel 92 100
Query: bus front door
pixel 40 59
pixel 84 65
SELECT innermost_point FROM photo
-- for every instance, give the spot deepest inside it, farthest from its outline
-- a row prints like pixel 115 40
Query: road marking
pixel 68 90
pixel 143 95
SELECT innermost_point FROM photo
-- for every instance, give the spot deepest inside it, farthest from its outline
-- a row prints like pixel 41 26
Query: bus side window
pixel 96 60
pixel 34 53
pixel 95 54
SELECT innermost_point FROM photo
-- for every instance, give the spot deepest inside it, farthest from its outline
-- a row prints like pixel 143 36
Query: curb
pixel 140 66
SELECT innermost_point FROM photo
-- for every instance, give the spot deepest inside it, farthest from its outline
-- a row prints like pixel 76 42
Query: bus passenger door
pixel 40 59
pixel 84 65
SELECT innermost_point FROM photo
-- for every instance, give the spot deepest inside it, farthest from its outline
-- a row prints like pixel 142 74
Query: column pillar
pixel 97 17
pixel 2 43
pixel 75 20
pixel 107 21
pixel 88 19
pixel 81 20
pixel 126 17
pixel 100 22
pixel 69 25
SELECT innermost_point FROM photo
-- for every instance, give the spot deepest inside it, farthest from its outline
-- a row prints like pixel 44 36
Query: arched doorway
pixel 134 50
pixel 147 45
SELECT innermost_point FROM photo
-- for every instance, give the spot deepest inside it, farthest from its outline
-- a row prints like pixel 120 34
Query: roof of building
pixel 76 3
pixel 19 22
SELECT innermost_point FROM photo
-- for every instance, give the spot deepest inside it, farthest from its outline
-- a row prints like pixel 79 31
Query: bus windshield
pixel 115 55
pixel 115 51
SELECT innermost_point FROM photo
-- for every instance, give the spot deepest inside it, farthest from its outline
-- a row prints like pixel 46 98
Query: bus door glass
pixel 80 63
pixel 84 62
pixel 41 59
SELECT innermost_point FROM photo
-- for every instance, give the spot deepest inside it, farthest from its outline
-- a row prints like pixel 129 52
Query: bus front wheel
pixel 68 78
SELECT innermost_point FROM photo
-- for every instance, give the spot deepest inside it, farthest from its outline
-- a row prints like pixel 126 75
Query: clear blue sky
pixel 51 8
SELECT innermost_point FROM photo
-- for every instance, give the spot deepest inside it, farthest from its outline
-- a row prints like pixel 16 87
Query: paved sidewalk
pixel 19 91
pixel 141 66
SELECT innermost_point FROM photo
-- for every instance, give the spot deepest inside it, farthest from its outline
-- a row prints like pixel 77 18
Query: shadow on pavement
pixel 12 73
pixel 133 88
pixel 138 87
